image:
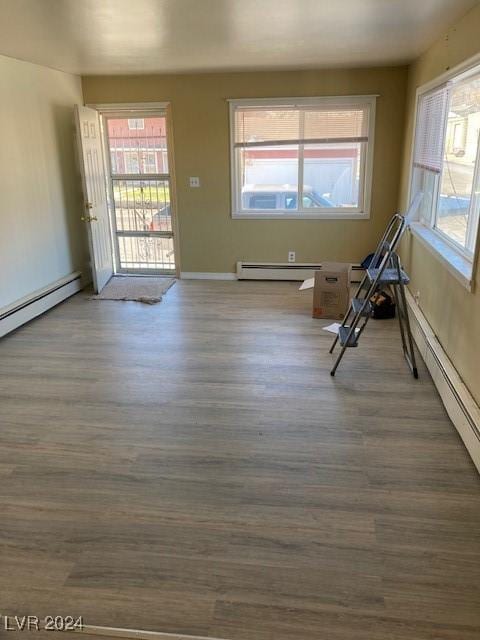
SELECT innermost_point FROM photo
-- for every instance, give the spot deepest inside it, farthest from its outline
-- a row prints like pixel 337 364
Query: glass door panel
pixel 140 194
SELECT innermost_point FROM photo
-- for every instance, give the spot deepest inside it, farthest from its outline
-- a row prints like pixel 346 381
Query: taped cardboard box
pixel 331 290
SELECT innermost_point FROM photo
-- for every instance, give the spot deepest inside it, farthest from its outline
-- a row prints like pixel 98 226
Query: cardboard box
pixel 331 291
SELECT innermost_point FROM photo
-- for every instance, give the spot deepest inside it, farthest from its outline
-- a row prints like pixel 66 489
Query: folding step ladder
pixel 385 270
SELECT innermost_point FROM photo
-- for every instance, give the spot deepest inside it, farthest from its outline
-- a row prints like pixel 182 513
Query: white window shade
pixel 429 134
pixel 258 125
pixel 301 125
pixel 336 125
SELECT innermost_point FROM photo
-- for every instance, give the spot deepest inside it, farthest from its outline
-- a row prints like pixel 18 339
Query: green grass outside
pixel 129 196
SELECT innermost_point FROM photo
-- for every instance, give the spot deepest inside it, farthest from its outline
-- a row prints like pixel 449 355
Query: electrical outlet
pixel 416 297
pixel 291 256
pixel 194 181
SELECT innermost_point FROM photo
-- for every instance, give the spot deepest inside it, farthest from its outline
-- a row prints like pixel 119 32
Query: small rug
pixel 136 289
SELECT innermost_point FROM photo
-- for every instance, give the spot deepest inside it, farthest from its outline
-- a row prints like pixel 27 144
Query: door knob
pixel 89 218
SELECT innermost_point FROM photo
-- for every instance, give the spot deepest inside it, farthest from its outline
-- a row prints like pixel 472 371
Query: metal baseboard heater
pixel 285 270
pixel 33 305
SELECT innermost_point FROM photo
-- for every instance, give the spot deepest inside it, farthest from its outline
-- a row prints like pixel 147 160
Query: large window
pixel 302 158
pixel 446 167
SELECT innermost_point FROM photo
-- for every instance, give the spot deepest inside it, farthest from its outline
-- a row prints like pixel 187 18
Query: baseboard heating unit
pixel 284 270
pixel 461 406
pixel 29 307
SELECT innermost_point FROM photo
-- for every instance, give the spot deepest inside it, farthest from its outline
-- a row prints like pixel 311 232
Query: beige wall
pixel 453 312
pixel 41 238
pixel 210 240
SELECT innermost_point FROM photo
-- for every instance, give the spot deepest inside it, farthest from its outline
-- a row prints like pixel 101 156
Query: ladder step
pixel 357 304
pixel 389 276
pixel 343 335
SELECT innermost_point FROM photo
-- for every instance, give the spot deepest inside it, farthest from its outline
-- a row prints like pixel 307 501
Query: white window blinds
pixel 429 132
pixel 291 125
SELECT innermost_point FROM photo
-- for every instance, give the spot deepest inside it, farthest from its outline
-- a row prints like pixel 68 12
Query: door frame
pixel 141 110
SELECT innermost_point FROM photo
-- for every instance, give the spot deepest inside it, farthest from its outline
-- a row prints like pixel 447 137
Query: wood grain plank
pixel 192 468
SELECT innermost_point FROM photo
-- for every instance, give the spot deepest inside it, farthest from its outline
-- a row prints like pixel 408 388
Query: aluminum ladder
pixel 385 270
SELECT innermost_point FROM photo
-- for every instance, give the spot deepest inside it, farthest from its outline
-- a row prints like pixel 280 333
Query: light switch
pixel 194 181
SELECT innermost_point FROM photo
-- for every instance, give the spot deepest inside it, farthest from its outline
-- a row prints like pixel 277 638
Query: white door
pixel 95 196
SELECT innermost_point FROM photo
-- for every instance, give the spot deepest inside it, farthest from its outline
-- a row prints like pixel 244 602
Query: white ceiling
pixel 144 36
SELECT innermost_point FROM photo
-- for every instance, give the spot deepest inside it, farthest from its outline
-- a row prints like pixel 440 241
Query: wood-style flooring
pixel 191 467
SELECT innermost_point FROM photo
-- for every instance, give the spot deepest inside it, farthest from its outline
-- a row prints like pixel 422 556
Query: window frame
pixel 459 260
pixel 135 127
pixel 361 212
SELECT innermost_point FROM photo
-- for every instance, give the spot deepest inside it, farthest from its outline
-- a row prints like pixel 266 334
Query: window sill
pixel 334 215
pixel 459 266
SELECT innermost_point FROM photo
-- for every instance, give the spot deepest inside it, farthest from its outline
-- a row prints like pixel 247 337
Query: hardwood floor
pixel 191 467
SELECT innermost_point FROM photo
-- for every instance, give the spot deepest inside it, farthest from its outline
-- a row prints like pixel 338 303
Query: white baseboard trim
pixel 464 412
pixel 112 632
pixel 33 305
pixel 206 275
pixel 265 275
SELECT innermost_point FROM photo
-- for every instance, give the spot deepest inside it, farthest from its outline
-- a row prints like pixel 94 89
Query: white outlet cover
pixel 194 181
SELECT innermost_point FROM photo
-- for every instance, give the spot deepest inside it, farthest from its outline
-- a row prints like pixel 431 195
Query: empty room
pixel 240 319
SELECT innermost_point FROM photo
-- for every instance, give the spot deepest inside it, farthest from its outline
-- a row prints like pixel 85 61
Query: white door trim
pixel 143 109
pixel 123 107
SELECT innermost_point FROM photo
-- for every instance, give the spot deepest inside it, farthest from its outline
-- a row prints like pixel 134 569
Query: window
pixel 302 158
pixel 132 161
pixel 149 162
pixel 136 123
pixel 137 161
pixel 446 167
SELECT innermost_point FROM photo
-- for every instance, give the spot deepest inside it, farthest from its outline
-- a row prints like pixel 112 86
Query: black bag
pixel 383 305
pixel 367 262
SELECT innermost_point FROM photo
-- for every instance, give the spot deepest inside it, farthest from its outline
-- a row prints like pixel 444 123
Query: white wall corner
pixel 86 275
